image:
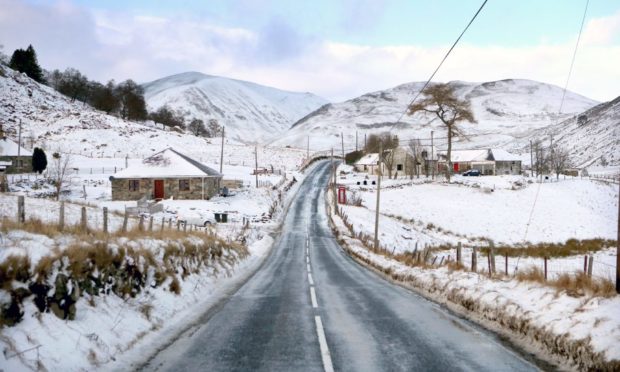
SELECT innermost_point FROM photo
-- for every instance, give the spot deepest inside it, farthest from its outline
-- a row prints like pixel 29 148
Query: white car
pixel 197 219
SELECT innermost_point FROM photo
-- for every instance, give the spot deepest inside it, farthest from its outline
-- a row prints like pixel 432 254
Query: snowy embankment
pixel 574 330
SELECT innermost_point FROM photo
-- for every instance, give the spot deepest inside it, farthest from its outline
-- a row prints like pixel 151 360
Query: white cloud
pixel 110 45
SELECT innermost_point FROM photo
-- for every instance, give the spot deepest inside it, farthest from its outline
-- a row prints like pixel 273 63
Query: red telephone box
pixel 342 195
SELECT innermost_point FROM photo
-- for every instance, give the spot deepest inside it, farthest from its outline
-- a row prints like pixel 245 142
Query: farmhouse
pixel 166 174
pixel 488 162
pixel 14 159
pixel 368 163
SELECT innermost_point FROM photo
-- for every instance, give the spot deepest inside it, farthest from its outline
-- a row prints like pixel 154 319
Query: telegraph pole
pixel 334 182
pixel 256 164
pixel 19 145
pixel 618 245
pixel 355 141
pixel 531 160
pixel 342 143
pixel 222 152
pixel 378 196
pixel 364 141
pixel 432 157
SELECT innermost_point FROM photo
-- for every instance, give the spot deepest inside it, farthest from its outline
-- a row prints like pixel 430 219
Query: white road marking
pixel 308 267
pixel 313 298
pixel 310 279
pixel 307 259
pixel 327 359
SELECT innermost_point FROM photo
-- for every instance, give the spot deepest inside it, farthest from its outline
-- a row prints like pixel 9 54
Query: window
pixel 365 167
pixel 134 185
pixel 183 185
pixel 399 167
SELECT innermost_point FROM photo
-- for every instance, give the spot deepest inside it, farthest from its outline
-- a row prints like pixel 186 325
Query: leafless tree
pixel 541 160
pixel 58 171
pixel 197 127
pixel 388 160
pixel 415 150
pixel 442 102
pixel 559 160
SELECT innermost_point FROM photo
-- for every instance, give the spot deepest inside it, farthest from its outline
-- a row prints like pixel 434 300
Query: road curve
pixel 310 307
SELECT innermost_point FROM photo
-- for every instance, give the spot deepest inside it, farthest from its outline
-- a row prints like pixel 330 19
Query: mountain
pixel 508 112
pixel 52 121
pixel 592 137
pixel 250 112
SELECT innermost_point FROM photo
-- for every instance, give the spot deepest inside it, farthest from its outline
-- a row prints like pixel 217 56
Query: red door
pixel 158 189
pixel 456 167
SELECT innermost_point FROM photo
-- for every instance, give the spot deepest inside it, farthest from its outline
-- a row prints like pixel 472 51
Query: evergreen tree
pixel 39 160
pixel 26 61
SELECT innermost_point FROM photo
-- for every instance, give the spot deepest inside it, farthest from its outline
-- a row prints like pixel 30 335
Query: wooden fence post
pixel 178 225
pixel 545 258
pixel 141 224
pixel 590 264
pixel 585 264
pixel 105 220
pixel 170 223
pixel 151 223
pixel 474 260
pixel 163 222
pixel 125 222
pixel 185 226
pixel 492 256
pixel 61 216
pixel 84 221
pixel 21 211
pixel 506 262
pixel 458 253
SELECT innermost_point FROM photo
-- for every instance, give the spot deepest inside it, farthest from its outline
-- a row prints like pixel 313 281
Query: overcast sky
pixel 337 49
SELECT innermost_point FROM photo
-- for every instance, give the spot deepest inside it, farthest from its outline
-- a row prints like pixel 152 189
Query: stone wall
pixel 120 188
pixel 26 164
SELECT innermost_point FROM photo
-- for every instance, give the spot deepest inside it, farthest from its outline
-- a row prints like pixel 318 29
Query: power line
pixel 442 61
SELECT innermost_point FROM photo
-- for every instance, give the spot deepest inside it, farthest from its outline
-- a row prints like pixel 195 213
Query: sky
pixel 338 49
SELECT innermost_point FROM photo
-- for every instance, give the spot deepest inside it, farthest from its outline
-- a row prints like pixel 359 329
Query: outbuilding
pixel 14 159
pixel 166 174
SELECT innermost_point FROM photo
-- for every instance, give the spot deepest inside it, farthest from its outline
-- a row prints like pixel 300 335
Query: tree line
pixel 124 99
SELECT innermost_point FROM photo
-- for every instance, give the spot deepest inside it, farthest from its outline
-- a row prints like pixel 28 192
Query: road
pixel 310 307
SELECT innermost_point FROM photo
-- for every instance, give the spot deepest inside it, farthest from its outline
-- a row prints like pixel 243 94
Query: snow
pixel 10 148
pixel 250 112
pixel 168 164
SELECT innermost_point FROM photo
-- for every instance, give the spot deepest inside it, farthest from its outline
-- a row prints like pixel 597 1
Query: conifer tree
pixel 39 160
pixel 26 61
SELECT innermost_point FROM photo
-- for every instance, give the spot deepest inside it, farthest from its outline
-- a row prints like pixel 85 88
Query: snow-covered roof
pixel 9 148
pixel 168 163
pixel 457 156
pixel 503 155
pixel 368 159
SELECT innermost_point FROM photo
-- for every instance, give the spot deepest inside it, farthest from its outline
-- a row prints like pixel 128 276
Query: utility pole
pixel 222 152
pixel 531 160
pixel 256 164
pixel 432 157
pixel 378 196
pixel 334 182
pixel 342 143
pixel 364 140
pixel 355 141
pixel 618 246
pixel 19 145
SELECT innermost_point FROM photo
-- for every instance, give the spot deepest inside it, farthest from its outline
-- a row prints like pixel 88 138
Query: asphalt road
pixel 310 307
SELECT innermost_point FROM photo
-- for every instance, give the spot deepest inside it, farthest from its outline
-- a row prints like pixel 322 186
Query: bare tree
pixel 541 160
pixel 58 172
pixel 197 127
pixel 441 101
pixel 388 160
pixel 559 160
pixel 213 128
pixel 415 150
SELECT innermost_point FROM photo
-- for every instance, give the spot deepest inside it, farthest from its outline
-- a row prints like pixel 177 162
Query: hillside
pixel 593 142
pixel 250 112
pixel 52 121
pixel 507 111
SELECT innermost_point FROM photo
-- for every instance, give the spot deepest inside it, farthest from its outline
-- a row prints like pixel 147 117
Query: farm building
pixel 488 162
pixel 166 174
pixel 14 159
pixel 368 163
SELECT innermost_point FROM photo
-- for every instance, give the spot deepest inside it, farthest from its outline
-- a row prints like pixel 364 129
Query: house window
pixel 365 167
pixel 399 167
pixel 183 185
pixel 134 185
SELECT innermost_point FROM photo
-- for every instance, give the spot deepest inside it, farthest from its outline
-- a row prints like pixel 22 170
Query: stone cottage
pixel 164 175
pixel 14 159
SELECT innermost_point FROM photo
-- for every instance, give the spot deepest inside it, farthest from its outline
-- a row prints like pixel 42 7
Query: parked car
pixel 472 173
pixel 197 219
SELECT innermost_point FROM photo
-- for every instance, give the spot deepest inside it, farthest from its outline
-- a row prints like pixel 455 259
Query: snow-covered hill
pixel 507 111
pixel 595 141
pixel 250 112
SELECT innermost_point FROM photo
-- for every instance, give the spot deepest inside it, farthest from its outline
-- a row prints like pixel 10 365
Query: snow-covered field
pixel 529 313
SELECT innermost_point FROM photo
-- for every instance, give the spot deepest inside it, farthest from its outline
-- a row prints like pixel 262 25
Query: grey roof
pixel 208 170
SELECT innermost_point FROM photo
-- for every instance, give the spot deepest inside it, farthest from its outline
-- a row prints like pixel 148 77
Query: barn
pixel 166 174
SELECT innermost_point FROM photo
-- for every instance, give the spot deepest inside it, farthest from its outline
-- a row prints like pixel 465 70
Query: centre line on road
pixel 310 280
pixel 327 359
pixel 308 267
pixel 307 259
pixel 313 298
